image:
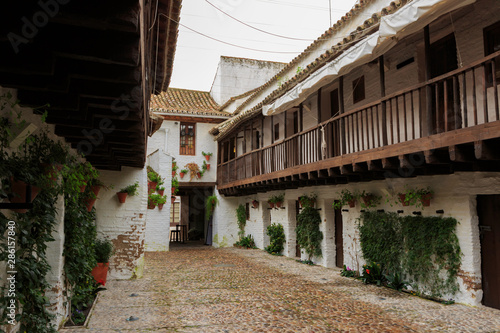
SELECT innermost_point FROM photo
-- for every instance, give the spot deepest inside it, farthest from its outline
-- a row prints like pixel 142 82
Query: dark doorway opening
pixel 488 211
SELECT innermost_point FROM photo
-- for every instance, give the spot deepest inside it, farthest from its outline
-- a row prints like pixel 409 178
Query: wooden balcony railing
pixel 462 98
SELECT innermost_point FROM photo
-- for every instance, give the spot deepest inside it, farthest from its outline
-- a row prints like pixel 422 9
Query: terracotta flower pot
pixel 122 196
pixel 198 174
pixel 83 187
pixel 160 206
pixel 208 167
pixel 402 198
pixel 173 190
pixel 172 199
pixel 255 204
pixel 160 192
pixel 181 174
pixel 352 203
pixel 100 272
pixel 173 173
pixel 278 204
pixel 207 157
pixel 18 194
pixel 271 204
pixel 426 199
pixel 90 201
pixel 368 199
pixel 151 205
pixel 152 186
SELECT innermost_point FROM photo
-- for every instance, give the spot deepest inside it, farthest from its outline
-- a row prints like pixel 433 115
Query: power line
pixel 227 43
pixel 248 25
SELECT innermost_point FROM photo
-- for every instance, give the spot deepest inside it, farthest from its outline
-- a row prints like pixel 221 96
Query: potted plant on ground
pixel 207 155
pixel 103 249
pixel 183 172
pixel 129 190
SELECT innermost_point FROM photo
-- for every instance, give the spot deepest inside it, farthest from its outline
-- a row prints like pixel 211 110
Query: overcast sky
pixel 197 56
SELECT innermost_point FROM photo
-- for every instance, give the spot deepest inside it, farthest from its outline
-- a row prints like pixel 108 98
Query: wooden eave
pixel 87 63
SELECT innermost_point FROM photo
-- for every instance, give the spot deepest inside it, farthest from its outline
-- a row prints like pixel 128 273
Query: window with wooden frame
pixel 491 45
pixel 257 140
pixel 358 89
pixel 187 139
pixel 296 122
pixel 276 132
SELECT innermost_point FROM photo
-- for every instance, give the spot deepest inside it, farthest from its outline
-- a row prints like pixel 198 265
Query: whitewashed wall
pixel 157 235
pixel 125 223
pixel 455 194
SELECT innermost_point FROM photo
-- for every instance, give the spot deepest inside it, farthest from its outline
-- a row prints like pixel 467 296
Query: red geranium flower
pixel 367 271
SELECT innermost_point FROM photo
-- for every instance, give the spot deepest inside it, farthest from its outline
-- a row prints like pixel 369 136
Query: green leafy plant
pixel 210 204
pixel 345 198
pixel 241 217
pixel 309 236
pixel 372 274
pixel 276 234
pixel 103 250
pixel 414 196
pixel 308 200
pixel 370 200
pixel 424 249
pixel 246 242
pixel 184 171
pixel 175 167
pixel 154 177
pixel 131 189
pixel 276 198
pixel 157 199
pixel 206 154
pixel 348 272
pixel 395 281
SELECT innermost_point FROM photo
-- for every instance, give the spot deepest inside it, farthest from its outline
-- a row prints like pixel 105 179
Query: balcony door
pixel 443 59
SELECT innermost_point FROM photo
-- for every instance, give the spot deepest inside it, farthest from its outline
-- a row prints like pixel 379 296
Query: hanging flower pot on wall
pixel 152 186
pixel 160 206
pixel 181 174
pixel 161 192
pixel 426 199
pixel 122 196
pixel 352 203
pixel 208 166
pixel 151 205
pixel 402 198
pixel 83 187
pixel 172 199
pixel 18 193
pixel 90 201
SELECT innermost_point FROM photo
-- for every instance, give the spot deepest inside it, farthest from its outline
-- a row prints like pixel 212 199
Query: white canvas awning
pixel 413 17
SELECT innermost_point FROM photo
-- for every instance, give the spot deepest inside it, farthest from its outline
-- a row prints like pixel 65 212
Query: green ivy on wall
pixel 309 236
pixel 421 247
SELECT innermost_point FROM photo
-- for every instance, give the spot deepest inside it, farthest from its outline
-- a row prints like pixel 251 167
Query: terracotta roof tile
pixel 185 101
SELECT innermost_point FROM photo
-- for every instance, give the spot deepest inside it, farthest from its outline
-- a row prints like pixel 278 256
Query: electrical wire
pixel 227 43
pixel 248 25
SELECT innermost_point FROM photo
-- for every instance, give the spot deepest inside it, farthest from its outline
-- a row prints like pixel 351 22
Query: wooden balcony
pixel 448 124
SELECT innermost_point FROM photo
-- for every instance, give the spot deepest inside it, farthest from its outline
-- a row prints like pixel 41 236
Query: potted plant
pixel 175 186
pixel 194 170
pixel 183 172
pixel 91 194
pixel 129 190
pixel 160 190
pixel 369 200
pixel 420 197
pixel 174 168
pixel 161 201
pixel 271 201
pixel 276 200
pixel 210 204
pixel 346 197
pixel 207 155
pixel 103 249
pixel 172 199
pixel 426 194
pixel 308 200
pixel 155 199
pixel 153 179
pixel 255 204
pixel 205 166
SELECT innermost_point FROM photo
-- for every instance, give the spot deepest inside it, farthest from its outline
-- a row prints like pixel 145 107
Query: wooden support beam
pixel 388 163
pixel 359 167
pixel 485 151
pixel 322 174
pixel 404 162
pixel 374 165
pixel 313 175
pixel 436 157
pixel 303 176
pixel 462 154
pixel 346 170
pixel 332 172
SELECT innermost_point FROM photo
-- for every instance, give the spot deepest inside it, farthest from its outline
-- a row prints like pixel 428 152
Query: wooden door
pixel 339 239
pixel 488 210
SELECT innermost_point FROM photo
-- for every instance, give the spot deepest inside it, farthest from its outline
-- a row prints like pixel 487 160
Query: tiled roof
pixel 241 114
pixel 183 101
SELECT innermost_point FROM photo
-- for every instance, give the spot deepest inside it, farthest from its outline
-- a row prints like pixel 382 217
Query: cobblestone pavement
pixel 235 290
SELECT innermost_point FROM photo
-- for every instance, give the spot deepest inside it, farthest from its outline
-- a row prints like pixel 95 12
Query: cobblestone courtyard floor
pixel 234 290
